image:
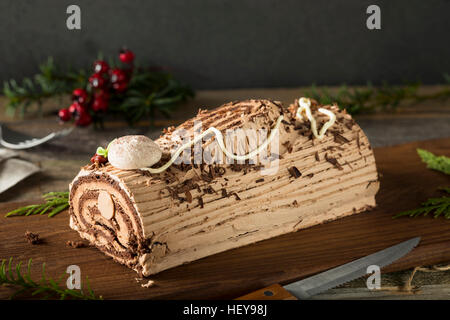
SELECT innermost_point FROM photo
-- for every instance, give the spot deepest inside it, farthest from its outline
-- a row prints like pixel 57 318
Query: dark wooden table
pixel 60 160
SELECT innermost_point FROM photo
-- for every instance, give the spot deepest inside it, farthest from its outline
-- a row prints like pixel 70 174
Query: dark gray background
pixel 229 44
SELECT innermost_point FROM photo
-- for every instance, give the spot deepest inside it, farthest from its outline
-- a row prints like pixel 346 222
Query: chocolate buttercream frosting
pixel 153 222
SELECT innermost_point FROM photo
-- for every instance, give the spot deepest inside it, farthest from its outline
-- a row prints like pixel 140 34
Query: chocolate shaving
pixel 32 238
pixel 317 156
pixel 310 175
pixel 236 196
pixel 224 192
pixel 340 138
pixel 209 190
pixel 212 172
pixel 245 167
pixel 304 131
pixel 348 163
pixel 200 202
pixel 295 225
pixel 76 244
pixel 370 182
pixel 173 193
pixel 277 103
pixel 187 186
pixel 188 196
pixel 260 180
pixel 220 171
pixel 294 172
pixel 333 161
pixel 184 167
pixel 205 177
pixel 288 146
pixel 349 124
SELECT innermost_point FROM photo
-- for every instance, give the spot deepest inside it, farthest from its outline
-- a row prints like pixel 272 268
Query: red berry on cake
pixel 96 158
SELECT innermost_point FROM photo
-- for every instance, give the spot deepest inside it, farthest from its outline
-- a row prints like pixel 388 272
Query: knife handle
pixel 273 292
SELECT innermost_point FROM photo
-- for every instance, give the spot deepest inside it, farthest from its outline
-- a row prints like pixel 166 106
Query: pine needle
pixel 375 98
pixel 435 206
pixel 46 287
pixel 439 163
pixel 55 202
pixel 148 90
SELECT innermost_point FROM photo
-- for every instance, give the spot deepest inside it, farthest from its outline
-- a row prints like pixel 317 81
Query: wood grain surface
pixel 405 182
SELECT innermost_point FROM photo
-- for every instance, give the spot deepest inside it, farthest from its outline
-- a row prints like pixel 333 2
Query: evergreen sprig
pixel 374 98
pixel 148 93
pixel 46 287
pixel 439 163
pixel 149 90
pixel 55 202
pixel 50 82
pixel 436 206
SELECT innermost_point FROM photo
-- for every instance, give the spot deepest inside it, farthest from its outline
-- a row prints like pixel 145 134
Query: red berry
pixel 126 56
pixel 101 94
pixel 118 75
pixel 79 95
pixel 100 105
pixel 75 108
pixel 100 66
pixel 83 118
pixel 97 80
pixel 120 86
pixel 98 158
pixel 64 115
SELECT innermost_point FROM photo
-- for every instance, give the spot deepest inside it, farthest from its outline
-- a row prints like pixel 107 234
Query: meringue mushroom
pixel 133 152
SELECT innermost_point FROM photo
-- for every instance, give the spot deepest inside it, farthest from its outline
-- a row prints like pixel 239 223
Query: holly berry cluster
pixel 104 82
pixel 130 92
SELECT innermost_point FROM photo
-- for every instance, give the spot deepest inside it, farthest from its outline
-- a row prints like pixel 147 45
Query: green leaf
pixel 102 152
pixel 55 202
pixel 58 209
pixel 47 285
pixel 438 206
pixel 439 163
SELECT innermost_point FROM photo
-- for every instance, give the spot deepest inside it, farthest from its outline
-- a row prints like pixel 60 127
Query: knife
pixel 321 282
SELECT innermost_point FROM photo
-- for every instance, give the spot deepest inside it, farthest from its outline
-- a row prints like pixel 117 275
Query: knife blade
pixel 324 281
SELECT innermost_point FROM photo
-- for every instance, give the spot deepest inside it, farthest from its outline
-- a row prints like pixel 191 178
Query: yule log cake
pixel 137 206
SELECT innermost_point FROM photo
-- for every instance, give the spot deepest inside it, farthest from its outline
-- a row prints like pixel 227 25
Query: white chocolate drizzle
pixel 305 105
pixel 220 141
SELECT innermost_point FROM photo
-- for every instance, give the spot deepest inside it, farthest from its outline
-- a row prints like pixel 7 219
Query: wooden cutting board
pixel 405 182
